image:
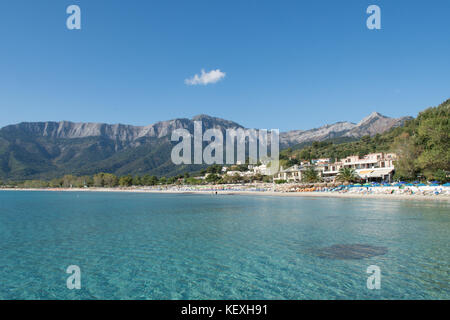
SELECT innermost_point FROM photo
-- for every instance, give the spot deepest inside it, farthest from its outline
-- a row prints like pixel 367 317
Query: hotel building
pixel 372 167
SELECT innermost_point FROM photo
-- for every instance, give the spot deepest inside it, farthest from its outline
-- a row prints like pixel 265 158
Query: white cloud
pixel 205 78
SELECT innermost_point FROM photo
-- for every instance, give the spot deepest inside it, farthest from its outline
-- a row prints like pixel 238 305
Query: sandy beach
pixel 443 196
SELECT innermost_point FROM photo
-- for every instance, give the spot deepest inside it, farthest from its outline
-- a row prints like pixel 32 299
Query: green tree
pixel 407 153
pixel 433 135
pixel 193 181
pixel 98 180
pixel 126 181
pixel 257 177
pixel 153 180
pixel 310 175
pixel 110 180
pixel 34 184
pixel 55 183
pixel 68 181
pixel 145 180
pixel 347 175
pixel 78 182
pixel 171 180
pixel 304 154
pixel 163 180
pixel 440 175
pixel 365 139
pixel 136 181
pixel 215 168
pixel 148 180
pixel 87 181
pixel 241 168
pixel 212 178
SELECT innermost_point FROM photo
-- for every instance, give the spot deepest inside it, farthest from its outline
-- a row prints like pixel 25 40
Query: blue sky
pixel 288 64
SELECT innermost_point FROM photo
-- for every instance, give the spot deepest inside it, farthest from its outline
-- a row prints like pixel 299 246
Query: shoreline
pixel 249 193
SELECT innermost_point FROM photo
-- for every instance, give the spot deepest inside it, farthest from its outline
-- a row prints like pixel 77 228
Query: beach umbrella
pixel 357 185
pixel 367 185
pixel 434 185
pixel 409 184
pixel 446 184
pixel 421 185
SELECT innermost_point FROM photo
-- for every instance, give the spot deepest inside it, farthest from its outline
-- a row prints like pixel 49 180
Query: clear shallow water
pixel 153 246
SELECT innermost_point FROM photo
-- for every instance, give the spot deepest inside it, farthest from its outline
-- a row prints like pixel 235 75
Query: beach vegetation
pixel 100 180
pixel 347 175
pixel 137 181
pixel 126 181
pixel 148 180
pixel 310 175
pixel 35 184
pixel 193 181
pixel 162 180
pixel 171 180
pixel 407 152
pixel 215 168
pixel 55 183
pixel 441 176
pixel 212 178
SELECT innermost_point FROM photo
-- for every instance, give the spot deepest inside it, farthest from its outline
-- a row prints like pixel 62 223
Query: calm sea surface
pixel 155 246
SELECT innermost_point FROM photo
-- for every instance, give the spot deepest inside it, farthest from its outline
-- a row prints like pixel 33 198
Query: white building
pixel 292 174
pixel 262 169
pixel 374 166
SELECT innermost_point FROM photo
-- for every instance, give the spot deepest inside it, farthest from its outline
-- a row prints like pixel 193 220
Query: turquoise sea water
pixel 155 246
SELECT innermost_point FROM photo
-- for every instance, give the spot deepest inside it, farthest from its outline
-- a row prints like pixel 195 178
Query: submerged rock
pixel 351 251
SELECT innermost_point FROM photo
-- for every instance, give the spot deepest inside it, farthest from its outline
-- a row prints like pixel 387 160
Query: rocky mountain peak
pixel 370 125
pixel 372 117
pixel 214 122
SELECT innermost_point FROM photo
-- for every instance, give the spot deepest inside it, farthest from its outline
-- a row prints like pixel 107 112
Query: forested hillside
pixel 422 144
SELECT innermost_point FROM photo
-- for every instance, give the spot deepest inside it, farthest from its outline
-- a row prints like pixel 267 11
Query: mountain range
pixel 370 125
pixel 43 150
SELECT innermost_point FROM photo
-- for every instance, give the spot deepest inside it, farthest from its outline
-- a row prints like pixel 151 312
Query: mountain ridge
pixel 48 149
pixel 69 129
